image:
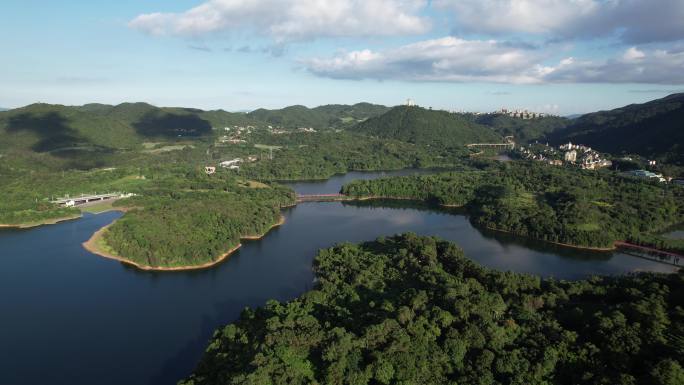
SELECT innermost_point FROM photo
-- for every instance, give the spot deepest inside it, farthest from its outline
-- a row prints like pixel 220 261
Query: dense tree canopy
pixel 652 129
pixel 193 220
pixel 545 202
pixel 427 127
pixel 414 310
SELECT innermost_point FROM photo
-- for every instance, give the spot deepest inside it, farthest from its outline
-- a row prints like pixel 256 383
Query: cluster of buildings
pixel 281 131
pixel 587 158
pixel 645 174
pixel 568 154
pixel 522 114
pixel 232 164
pixel 235 134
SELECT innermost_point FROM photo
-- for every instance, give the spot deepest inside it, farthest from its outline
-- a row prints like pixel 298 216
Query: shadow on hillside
pixel 170 125
pixel 52 129
pixel 57 138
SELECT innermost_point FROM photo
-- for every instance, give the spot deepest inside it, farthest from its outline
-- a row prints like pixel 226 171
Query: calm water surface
pixel 70 317
pixel 675 234
pixel 335 183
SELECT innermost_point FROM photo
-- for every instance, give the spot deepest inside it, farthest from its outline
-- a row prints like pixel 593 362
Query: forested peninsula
pixel 190 225
pixel 415 310
pixel 560 205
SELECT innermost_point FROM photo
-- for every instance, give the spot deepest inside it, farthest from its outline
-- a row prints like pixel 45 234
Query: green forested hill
pixel 291 117
pixel 94 134
pixel 332 115
pixel 654 129
pixel 126 125
pixel 415 310
pixel 523 130
pixel 426 127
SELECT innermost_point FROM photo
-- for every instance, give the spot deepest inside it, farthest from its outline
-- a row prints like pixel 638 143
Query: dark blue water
pixel 675 234
pixel 71 317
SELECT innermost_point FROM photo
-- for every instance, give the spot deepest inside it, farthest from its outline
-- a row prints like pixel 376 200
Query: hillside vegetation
pixel 592 209
pixel 427 127
pixel 328 116
pixel 523 130
pixel 654 129
pixel 96 135
pixel 415 310
pixel 191 220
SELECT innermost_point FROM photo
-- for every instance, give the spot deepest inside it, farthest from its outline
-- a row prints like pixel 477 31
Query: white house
pixel 571 156
pixel 233 164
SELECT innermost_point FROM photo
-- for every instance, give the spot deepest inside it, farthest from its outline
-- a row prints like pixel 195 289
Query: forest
pixel 415 310
pixel 555 204
pixel 653 129
pixel 191 221
pixel 427 127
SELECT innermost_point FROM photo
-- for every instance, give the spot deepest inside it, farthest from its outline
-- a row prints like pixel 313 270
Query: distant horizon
pixel 312 106
pixel 549 56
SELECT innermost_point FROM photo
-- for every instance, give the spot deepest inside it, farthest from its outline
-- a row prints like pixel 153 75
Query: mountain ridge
pixel 654 129
pixel 426 127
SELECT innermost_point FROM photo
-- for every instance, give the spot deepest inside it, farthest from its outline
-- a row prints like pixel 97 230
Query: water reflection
pixel 83 319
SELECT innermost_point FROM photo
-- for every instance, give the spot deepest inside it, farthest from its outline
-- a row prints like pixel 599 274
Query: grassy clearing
pixel 589 226
pixel 254 184
pixel 101 245
pixel 163 149
pixel 267 147
pixel 522 199
pixel 98 207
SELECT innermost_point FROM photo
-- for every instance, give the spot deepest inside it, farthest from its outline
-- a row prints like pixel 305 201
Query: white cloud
pixel 633 66
pixel 633 54
pixel 291 20
pixel 458 60
pixel 635 21
pixel 444 59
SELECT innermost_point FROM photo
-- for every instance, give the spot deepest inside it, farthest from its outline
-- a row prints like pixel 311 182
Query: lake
pixel 71 317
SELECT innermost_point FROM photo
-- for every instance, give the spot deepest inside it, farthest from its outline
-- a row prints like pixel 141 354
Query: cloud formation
pixel 444 59
pixel 457 60
pixel 634 66
pixel 291 20
pixel 634 21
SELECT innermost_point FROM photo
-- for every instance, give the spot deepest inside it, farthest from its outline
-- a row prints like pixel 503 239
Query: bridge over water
pixel 651 253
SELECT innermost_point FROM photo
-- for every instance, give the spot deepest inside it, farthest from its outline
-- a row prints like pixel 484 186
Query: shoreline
pixel 55 221
pixel 45 222
pixel 592 248
pixel 403 199
pixel 92 246
pixel 601 249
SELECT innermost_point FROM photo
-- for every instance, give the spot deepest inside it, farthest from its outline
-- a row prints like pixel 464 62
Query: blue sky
pixel 559 56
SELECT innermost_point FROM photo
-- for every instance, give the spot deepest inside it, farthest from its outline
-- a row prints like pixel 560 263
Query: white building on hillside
pixel 571 156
